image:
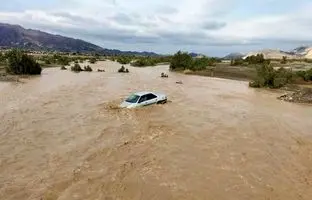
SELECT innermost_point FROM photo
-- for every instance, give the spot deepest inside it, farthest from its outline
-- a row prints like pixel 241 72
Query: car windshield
pixel 133 98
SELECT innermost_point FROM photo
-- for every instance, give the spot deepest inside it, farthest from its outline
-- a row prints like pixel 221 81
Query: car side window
pixel 151 96
pixel 143 98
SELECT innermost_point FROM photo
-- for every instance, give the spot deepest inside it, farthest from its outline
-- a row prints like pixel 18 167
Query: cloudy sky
pixel 212 27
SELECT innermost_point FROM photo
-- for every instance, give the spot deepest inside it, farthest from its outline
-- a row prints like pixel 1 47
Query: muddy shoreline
pixel 296 93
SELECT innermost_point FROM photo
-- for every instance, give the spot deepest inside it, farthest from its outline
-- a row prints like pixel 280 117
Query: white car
pixel 140 99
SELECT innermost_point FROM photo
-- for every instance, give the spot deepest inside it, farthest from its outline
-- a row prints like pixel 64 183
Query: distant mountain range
pixel 15 36
pixel 233 56
pixel 302 52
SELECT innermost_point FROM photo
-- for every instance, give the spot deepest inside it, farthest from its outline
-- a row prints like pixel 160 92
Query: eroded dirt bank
pixel 62 137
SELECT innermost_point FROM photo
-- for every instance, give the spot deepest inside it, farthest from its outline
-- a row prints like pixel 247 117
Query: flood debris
pixel 101 70
pixel 179 82
pixel 301 96
pixel 163 75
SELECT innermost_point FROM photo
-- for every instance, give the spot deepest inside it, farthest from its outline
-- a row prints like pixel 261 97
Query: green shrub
pixel 150 61
pixel 301 74
pixel 123 70
pixel 76 68
pixel 142 62
pixel 256 59
pixel 88 69
pixel 124 59
pixel 201 63
pixel 237 61
pixel 309 74
pixel 2 57
pixel 284 60
pixel 21 63
pixel 181 61
pixel 47 61
pixel 305 75
pixel 268 77
pixel 308 60
pixel 92 60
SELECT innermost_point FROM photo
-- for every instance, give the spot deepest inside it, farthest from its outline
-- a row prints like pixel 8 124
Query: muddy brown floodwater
pixel 63 137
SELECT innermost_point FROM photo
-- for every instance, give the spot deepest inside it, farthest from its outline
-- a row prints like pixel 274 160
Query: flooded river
pixel 62 137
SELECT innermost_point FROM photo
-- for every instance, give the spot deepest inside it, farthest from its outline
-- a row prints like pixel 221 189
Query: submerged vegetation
pixel 88 69
pixel 76 68
pixel 123 70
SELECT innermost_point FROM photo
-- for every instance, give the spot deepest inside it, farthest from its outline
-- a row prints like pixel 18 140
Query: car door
pixel 147 99
pixel 143 100
pixel 151 99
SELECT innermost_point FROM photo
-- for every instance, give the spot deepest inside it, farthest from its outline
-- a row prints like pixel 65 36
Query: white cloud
pixel 172 24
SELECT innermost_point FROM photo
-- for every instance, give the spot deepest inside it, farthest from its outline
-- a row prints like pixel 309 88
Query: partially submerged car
pixel 140 99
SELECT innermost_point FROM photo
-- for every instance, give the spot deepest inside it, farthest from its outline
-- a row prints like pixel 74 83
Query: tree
pixel 181 61
pixel 21 63
pixel 256 59
pixel 202 63
pixel 268 77
pixel 284 60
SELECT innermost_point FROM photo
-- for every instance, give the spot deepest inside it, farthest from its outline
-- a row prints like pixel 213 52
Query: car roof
pixel 143 93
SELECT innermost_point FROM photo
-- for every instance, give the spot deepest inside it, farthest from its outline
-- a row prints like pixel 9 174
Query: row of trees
pixel 250 60
pixel 139 61
pixel 150 61
pixel 183 61
pixel 65 60
pixel 259 59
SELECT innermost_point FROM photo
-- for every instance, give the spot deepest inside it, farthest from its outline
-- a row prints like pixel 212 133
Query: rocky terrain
pixel 300 96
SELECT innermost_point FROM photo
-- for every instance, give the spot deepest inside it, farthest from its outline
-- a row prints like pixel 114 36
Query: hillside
pixel 15 36
pixel 304 52
pixel 233 56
